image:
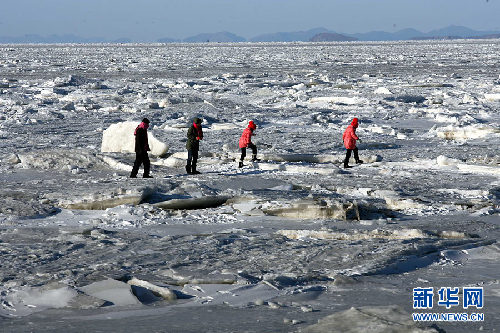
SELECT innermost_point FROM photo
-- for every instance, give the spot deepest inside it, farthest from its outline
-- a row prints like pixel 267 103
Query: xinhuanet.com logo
pixel 465 317
pixel 448 297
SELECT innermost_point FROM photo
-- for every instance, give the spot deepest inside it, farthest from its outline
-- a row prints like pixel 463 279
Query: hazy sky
pixel 148 20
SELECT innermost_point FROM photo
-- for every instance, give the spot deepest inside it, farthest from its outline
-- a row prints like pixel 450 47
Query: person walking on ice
pixel 350 138
pixel 246 142
pixel 141 150
pixel 194 135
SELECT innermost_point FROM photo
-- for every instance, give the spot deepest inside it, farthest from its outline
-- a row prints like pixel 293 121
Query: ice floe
pixel 341 100
pixel 373 319
pixel 313 209
pixel 120 138
pixel 492 97
pixel 194 203
pixel 116 292
pixel 465 132
pixel 374 234
pixel 382 91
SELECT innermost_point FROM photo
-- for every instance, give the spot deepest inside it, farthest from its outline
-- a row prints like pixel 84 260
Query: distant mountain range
pixel 297 36
pixel 325 35
pixel 331 37
pixel 407 34
pixel 54 39
pixel 312 35
pixel 218 37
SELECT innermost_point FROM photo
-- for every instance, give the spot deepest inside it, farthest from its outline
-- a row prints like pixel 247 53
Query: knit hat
pixel 145 120
pixel 354 122
pixel 252 125
pixel 197 120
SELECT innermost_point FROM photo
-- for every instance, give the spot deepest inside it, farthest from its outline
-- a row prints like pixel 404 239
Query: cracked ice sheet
pixel 52 127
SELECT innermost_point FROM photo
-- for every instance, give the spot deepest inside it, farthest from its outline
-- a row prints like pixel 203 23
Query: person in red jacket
pixel 350 138
pixel 246 142
pixel 141 149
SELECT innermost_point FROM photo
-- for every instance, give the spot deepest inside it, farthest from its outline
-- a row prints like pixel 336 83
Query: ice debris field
pixel 294 243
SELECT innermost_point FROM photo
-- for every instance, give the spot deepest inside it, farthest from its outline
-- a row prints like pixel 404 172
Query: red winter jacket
pixel 350 136
pixel 246 137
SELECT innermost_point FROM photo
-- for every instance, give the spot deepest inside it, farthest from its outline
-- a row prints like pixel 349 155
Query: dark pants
pixel 141 158
pixel 348 155
pixel 192 160
pixel 244 151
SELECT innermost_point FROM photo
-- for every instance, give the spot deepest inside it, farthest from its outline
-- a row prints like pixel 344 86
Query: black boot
pixel 188 169
pixel 240 165
pixel 356 156
pixel 347 166
pixel 255 159
pixel 194 171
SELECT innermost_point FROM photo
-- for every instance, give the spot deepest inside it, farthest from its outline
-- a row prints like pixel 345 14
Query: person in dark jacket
pixel 246 142
pixel 141 149
pixel 350 138
pixel 194 135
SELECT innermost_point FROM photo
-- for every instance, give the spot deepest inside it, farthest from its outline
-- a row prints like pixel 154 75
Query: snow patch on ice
pixel 223 126
pixel 232 294
pixel 373 234
pixel 382 91
pixel 70 160
pixel 327 169
pixel 55 298
pixel 466 132
pixel 492 97
pixel 28 300
pixel 479 169
pixel 446 161
pixel 247 207
pixel 342 100
pixel 403 204
pixel 466 193
pixel 305 158
pixel 108 200
pixel 312 209
pixel 464 167
pixel 11 159
pixel 115 164
pixel 172 162
pixel 383 129
pixel 468 99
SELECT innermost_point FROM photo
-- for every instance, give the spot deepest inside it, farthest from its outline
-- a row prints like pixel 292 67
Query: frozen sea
pixel 294 243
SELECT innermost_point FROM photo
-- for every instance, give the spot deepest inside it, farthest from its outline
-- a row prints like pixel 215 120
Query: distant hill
pixel 387 36
pixel 168 40
pixel 218 37
pixel 455 30
pixel 37 39
pixel 437 38
pixel 331 37
pixel 492 36
pixel 296 36
pixel 451 32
